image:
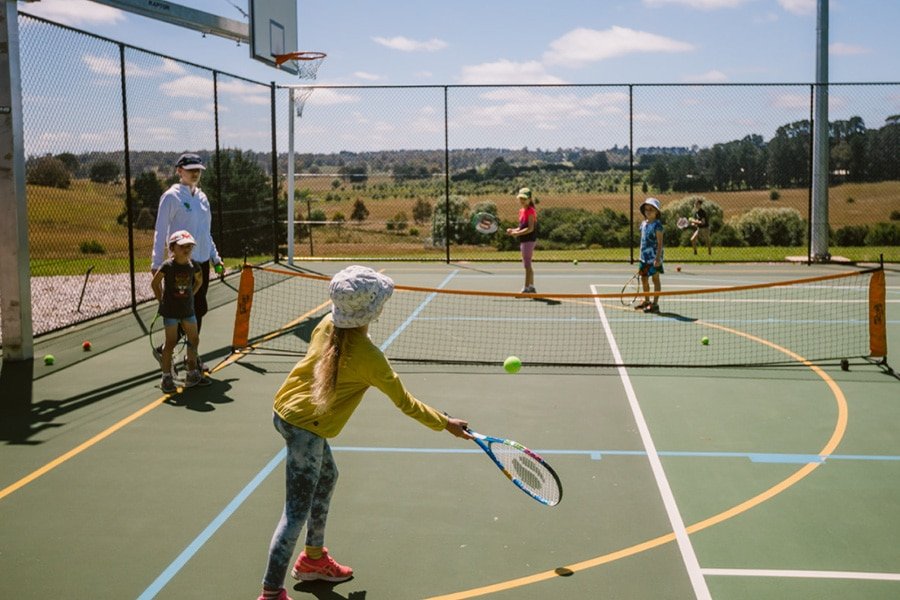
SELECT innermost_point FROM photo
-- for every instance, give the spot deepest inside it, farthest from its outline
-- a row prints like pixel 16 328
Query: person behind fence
pixel 174 285
pixel 184 206
pixel 526 233
pixel 651 254
pixel 700 221
pixel 314 403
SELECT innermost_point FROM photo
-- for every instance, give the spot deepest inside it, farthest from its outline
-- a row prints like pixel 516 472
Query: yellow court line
pixel 836 436
pixel 119 425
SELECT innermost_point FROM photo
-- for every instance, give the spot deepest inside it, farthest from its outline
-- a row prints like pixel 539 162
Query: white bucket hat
pixel 357 296
pixel 652 202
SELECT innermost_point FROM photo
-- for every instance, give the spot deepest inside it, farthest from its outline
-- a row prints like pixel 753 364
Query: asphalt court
pixel 719 483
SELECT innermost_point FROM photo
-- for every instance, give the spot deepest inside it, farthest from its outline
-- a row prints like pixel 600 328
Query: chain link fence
pixel 396 172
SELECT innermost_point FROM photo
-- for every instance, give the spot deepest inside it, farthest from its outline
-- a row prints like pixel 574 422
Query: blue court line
pixel 166 576
pixel 757 457
pixel 207 533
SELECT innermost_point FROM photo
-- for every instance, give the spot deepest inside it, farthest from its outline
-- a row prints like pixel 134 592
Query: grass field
pixel 64 225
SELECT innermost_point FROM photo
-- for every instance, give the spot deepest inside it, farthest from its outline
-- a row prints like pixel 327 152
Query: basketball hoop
pixel 306 63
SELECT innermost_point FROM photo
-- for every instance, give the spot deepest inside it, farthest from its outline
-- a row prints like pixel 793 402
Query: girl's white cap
pixel 357 296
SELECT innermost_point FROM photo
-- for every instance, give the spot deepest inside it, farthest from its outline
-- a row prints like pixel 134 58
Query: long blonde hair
pixel 325 373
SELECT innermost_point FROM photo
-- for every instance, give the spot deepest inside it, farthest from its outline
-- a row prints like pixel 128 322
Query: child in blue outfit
pixel 651 254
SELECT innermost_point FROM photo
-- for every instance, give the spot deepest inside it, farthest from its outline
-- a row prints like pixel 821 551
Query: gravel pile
pixel 54 300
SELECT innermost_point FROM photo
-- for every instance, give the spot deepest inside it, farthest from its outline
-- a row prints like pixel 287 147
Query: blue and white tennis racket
pixel 526 469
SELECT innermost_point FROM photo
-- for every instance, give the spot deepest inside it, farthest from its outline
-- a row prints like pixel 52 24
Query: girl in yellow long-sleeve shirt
pixel 314 403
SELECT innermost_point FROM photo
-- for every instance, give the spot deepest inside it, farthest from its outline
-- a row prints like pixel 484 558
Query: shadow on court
pixel 22 419
pixel 323 590
pixel 203 399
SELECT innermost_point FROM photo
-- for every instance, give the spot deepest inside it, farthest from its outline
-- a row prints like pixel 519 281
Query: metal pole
pixel 631 172
pixel 274 173
pixel 446 179
pixel 821 140
pixel 129 203
pixel 15 273
pixel 290 179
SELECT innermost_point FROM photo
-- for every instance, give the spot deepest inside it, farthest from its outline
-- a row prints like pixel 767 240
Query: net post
pixel 877 316
pixel 290 180
pixel 241 333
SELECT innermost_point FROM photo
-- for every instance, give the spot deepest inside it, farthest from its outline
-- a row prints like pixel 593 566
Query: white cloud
pixel 513 107
pixel 581 46
pixel 366 76
pixel 407 45
pixel 330 97
pixel 190 86
pixel 699 4
pixel 76 12
pixel 190 115
pixel 841 49
pixel 801 102
pixel 101 65
pixel 171 67
pixel 247 93
pixel 506 71
pixel 713 76
pixel 799 7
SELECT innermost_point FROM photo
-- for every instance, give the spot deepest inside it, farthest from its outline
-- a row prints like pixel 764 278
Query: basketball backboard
pixel 273 30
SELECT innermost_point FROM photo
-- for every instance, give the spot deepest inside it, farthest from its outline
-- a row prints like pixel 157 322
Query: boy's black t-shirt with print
pixel 178 289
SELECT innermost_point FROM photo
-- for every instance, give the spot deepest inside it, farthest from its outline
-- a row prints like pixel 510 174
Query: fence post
pixel 220 234
pixel 274 173
pixel 129 211
pixel 631 173
pixel 446 179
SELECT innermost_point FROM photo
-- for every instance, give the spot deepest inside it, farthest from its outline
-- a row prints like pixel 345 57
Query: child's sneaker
pixel 651 308
pixel 193 378
pixel 325 568
pixel 282 595
pixel 168 384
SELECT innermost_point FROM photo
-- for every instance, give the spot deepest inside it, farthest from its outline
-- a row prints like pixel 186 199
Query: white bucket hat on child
pixel 357 296
pixel 652 202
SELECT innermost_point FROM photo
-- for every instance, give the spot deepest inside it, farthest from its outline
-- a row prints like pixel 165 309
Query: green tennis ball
pixel 575 262
pixel 512 364
pixel 49 359
pixel 704 340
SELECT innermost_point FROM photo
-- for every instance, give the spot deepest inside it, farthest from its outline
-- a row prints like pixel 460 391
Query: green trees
pixel 104 171
pixel 48 171
pixel 246 202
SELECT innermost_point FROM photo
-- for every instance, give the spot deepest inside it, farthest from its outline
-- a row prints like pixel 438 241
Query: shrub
pixel 884 234
pixel 895 215
pixel 104 171
pixel 92 247
pixel 727 237
pixel 851 235
pixel 771 227
pixel 774 195
pixel 47 171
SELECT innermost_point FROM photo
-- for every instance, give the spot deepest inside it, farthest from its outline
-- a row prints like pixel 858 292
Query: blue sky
pixel 422 42
pixel 400 42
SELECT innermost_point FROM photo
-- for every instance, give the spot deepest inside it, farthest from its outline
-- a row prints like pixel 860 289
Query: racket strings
pixel 534 475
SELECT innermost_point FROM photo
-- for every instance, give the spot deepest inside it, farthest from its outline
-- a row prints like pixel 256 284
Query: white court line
pixel 701 591
pixel 803 574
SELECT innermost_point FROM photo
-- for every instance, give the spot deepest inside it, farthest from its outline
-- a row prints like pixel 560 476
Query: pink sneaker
pixel 282 595
pixel 326 568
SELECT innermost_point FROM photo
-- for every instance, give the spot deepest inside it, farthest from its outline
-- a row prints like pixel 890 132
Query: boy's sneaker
pixel 641 306
pixel 282 595
pixel 325 568
pixel 168 384
pixel 651 308
pixel 193 378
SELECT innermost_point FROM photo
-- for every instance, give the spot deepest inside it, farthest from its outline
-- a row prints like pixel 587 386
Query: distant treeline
pixel 857 154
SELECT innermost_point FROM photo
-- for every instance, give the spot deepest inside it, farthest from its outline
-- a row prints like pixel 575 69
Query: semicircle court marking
pixel 837 434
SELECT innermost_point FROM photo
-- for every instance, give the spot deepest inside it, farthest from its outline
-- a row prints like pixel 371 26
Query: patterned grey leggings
pixel 311 476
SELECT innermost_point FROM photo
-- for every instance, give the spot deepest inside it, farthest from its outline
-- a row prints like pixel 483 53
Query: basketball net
pixel 306 63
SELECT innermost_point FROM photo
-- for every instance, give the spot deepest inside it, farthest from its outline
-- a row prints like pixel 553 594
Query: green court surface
pixel 725 483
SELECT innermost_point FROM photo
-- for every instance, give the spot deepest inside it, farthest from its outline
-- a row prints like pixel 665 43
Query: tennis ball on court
pixel 512 364
pixel 49 359
pixel 85 345
pixel 575 261
pixel 704 340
